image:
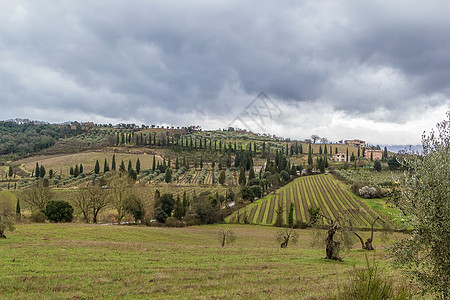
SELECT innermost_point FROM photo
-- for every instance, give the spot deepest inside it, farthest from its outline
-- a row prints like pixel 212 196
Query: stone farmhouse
pixel 340 157
pixel 355 143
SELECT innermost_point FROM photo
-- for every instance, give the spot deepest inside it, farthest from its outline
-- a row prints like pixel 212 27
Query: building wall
pixel 377 154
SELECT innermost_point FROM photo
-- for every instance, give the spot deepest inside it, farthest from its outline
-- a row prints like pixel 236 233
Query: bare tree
pixel 6 220
pixel 226 237
pixel 91 199
pixel 315 137
pixel 324 140
pixel 120 189
pixel 37 196
pixel 368 244
pixel 286 235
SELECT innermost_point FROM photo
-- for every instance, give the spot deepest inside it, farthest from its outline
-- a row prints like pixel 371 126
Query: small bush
pixel 356 186
pixel 369 283
pixel 38 217
pixel 301 225
pixel 368 192
pixel 174 222
pixel 59 211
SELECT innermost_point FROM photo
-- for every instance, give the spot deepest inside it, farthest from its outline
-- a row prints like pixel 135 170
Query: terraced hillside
pixel 322 191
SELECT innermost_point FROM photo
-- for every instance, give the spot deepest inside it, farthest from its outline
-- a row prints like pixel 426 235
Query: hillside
pixel 322 191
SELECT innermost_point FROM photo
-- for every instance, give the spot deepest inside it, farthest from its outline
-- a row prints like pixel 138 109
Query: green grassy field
pixel 74 261
pixel 322 191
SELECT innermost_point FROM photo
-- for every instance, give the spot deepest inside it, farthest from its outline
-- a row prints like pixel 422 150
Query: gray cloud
pixel 122 61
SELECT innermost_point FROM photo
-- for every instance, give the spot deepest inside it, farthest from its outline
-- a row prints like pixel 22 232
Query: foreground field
pixel 55 261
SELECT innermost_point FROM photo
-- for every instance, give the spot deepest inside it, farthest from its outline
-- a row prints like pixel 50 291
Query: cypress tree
pixel 71 171
pixel 122 166
pixel 10 171
pixel 18 207
pixel 336 151
pixel 168 175
pixel 201 162
pixel 41 171
pixel 129 165
pixel 113 163
pixel 320 149
pixel 117 140
pixel 36 171
pixel 325 150
pixel 97 167
pixel 291 215
pixel 385 153
pixel 347 156
pixel 138 166
pixel 251 175
pixel 105 166
pixel 154 163
pixel 358 152
pixel 242 179
pixel 76 171
pixel 177 164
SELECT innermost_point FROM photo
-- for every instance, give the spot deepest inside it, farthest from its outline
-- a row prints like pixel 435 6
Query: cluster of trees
pixel 30 137
pixel 77 170
pixel 204 208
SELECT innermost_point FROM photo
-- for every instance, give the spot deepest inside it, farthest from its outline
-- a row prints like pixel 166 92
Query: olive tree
pixel 6 219
pixel 424 200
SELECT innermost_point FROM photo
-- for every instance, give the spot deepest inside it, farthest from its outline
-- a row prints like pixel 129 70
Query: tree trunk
pixel 333 247
pixel 368 245
pixel 361 240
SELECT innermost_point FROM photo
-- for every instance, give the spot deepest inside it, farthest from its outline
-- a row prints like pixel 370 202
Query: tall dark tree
pixel 36 171
pixel 122 166
pixel 97 167
pixel 242 179
pixel 41 171
pixel 81 170
pixel 251 174
pixel 130 166
pixel 105 166
pixel 138 166
pixel 76 171
pixel 154 163
pixel 113 163
pixel 10 171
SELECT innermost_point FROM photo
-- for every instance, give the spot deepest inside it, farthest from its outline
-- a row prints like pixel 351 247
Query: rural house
pixel 377 154
pixel 355 143
pixel 339 157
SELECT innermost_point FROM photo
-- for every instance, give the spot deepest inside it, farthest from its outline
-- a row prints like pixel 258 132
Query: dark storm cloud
pixel 125 60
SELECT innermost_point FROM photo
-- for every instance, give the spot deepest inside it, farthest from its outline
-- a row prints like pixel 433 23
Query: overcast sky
pixel 375 70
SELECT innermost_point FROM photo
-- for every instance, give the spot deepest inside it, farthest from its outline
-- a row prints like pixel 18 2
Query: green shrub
pixel 371 284
pixel 38 217
pixel 59 211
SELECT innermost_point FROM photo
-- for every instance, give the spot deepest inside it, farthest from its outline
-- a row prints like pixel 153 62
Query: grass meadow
pixel 82 261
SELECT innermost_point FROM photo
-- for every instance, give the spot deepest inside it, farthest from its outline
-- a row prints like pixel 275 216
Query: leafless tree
pixel 226 237
pixel 37 196
pixel 315 137
pixel 286 236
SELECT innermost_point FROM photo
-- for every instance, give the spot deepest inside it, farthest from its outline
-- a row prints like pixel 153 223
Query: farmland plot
pixel 322 191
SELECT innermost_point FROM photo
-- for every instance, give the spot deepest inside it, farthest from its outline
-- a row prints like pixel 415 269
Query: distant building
pixel 375 154
pixel 339 157
pixel 355 143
